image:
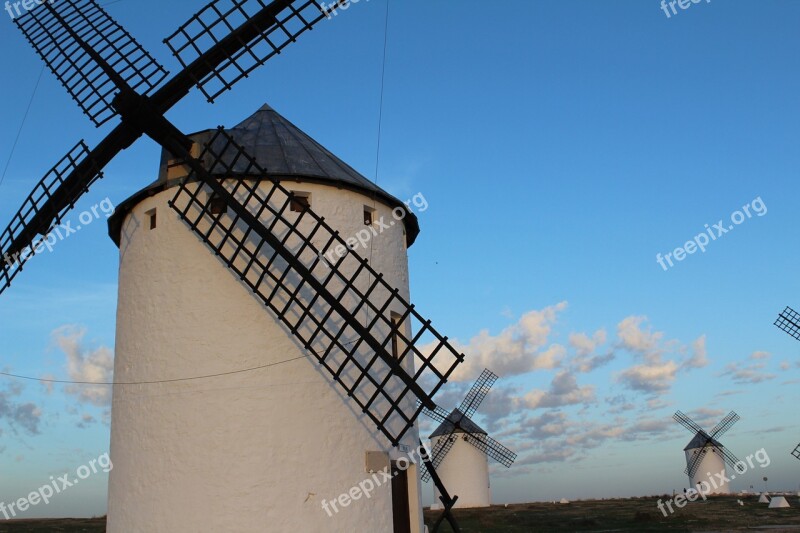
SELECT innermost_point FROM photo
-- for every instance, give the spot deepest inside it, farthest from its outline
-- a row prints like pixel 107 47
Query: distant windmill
pixel 789 321
pixel 465 469
pixel 222 266
pixel 705 455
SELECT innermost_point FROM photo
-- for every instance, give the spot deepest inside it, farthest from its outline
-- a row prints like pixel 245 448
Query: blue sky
pixel 560 146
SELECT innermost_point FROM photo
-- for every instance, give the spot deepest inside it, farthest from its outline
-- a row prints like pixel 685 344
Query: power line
pixel 221 374
pixel 22 125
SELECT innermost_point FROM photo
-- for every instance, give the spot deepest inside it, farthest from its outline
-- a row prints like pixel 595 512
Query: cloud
pixel 699 358
pixel 86 421
pixel 585 360
pixel 655 372
pixel 518 349
pixel 635 339
pixel 649 377
pixel 87 365
pixel 584 345
pixel 25 415
pixel 564 390
pixel 749 372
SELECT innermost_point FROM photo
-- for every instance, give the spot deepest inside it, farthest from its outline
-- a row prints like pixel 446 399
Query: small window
pixel 369 216
pixel 300 201
pixel 151 216
pixel 217 206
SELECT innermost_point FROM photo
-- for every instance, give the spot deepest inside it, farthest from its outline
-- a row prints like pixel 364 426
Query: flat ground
pixel 718 514
pixel 89 525
pixel 639 514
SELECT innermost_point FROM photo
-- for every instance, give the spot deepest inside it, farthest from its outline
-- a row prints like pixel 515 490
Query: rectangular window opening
pixel 153 220
pixel 300 202
pixel 369 216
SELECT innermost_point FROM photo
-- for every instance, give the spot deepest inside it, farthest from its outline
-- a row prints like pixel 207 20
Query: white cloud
pixel 649 377
pixel 699 357
pixel 564 390
pixel 655 372
pixel 86 365
pixel 518 349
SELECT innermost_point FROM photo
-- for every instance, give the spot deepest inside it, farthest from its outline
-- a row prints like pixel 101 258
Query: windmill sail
pixel 57 30
pixel 294 286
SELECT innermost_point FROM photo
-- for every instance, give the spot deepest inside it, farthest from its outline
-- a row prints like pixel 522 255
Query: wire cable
pixel 21 126
pixel 209 376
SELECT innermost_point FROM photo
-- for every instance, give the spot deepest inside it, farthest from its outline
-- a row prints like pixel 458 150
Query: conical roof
pixel 700 440
pixel 285 152
pixel 457 418
pixel 283 149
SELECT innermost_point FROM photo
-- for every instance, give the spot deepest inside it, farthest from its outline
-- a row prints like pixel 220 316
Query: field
pixel 639 514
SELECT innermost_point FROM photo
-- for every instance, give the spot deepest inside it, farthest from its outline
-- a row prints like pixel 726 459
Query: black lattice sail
pixel 705 442
pixel 796 452
pixel 248 34
pixel 56 29
pixel 789 321
pixel 32 224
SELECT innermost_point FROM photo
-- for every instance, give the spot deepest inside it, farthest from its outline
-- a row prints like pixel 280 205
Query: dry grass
pixel 638 514
pixel 718 514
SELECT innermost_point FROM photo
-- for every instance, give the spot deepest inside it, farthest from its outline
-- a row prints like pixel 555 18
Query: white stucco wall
pixel 249 452
pixel 711 464
pixel 465 473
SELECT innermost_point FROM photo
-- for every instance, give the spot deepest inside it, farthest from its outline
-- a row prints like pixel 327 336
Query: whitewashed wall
pixel 711 464
pixel 465 473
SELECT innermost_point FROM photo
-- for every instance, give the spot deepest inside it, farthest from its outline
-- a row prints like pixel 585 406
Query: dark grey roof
pixel 700 441
pixel 465 425
pixel 285 152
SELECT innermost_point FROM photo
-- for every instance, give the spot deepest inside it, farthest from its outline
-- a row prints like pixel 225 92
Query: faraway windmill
pixel 789 321
pixel 461 449
pixel 239 220
pixel 705 455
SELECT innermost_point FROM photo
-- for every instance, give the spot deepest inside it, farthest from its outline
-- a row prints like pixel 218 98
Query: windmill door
pixel 400 509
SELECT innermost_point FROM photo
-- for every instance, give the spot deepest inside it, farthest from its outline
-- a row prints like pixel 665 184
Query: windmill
pixel 789 321
pixel 459 465
pixel 249 460
pixel 706 456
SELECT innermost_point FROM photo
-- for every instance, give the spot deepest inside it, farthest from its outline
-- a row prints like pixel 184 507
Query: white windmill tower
pixel 461 449
pixel 706 456
pixel 265 367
